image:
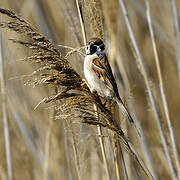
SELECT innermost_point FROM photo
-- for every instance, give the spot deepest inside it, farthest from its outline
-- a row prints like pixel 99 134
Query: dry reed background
pixel 50 142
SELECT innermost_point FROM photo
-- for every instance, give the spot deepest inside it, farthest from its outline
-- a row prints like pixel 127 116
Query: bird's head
pixel 95 45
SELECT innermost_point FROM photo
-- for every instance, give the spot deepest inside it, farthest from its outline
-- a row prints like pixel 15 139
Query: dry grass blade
pixel 114 27
pixel 162 35
pixel 100 134
pixel 163 96
pixel 150 93
pixel 123 164
pixel 177 33
pixel 81 23
pixel 73 50
pixel 76 155
pixel 143 137
pixel 5 115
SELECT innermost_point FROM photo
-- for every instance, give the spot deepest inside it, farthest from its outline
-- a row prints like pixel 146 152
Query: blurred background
pixel 41 147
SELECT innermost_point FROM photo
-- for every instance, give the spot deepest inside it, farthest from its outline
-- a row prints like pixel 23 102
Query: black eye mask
pixel 95 45
pixel 93 49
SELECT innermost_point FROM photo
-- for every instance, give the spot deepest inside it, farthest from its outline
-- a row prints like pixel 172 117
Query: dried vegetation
pixel 55 123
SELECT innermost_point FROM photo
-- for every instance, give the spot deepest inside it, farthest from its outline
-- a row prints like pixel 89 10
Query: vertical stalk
pixel 76 157
pixel 81 23
pixel 154 105
pixel 101 141
pixel 47 146
pixel 99 130
pixel 174 153
pixel 143 139
pixel 177 33
pixel 5 116
pixel 123 162
pixel 116 164
pixel 67 153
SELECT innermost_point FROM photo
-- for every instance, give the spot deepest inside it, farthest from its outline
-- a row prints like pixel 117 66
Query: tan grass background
pixel 45 148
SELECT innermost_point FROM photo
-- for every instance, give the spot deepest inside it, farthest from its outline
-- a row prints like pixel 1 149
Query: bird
pixel 99 76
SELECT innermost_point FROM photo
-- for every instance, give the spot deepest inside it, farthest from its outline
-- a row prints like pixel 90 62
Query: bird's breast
pixel 93 80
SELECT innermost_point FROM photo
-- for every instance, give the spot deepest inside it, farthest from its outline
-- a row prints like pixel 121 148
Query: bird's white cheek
pixel 88 50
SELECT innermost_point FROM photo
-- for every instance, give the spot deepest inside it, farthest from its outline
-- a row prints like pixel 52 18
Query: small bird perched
pixel 99 76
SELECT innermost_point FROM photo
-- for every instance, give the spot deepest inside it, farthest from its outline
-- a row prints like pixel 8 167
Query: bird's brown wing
pixel 103 70
pixel 99 69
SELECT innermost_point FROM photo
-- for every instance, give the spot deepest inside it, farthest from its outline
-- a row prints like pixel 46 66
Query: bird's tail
pixel 124 110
